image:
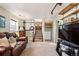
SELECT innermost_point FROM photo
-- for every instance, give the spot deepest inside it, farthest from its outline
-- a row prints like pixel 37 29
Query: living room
pixel 39 29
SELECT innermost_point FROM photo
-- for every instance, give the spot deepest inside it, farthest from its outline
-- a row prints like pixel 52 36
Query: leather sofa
pixel 4 50
pixel 18 48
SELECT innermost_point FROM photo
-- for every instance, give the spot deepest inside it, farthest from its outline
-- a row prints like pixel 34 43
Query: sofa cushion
pixel 7 34
pixel 4 42
pixel 14 35
pixel 13 44
pixel 12 41
pixel 20 42
pixel 2 35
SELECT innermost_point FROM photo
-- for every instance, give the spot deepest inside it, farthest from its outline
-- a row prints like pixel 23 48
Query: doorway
pixel 38 32
pixel 48 31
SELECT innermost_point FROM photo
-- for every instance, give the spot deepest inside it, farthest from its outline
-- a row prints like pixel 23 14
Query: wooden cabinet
pixel 22 32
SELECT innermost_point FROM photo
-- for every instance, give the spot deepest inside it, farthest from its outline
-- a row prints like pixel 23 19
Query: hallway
pixel 40 49
pixel 38 36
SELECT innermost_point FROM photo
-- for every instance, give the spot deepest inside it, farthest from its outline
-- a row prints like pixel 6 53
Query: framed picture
pixel 2 21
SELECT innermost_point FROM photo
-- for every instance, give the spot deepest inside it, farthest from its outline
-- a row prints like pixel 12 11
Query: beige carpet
pixel 40 49
pixel 38 36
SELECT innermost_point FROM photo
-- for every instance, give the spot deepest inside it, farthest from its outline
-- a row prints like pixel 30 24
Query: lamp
pixel 21 28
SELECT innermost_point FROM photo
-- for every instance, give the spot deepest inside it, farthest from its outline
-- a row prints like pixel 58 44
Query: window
pixel 2 21
pixel 13 26
pixel 29 25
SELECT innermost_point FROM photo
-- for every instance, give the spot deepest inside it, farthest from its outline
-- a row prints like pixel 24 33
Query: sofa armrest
pixel 21 45
pixel 6 48
pixel 5 51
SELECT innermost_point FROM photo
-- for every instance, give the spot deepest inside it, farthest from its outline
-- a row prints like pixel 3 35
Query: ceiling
pixel 33 10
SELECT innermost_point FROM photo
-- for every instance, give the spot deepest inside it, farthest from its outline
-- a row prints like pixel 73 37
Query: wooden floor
pixel 40 49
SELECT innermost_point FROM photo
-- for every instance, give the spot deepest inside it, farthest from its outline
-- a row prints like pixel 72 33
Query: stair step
pixel 38 36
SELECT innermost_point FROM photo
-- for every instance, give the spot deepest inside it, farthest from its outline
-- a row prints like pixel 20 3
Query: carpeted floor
pixel 40 49
pixel 38 36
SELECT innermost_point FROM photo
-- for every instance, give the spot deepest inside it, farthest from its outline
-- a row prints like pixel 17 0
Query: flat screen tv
pixel 70 32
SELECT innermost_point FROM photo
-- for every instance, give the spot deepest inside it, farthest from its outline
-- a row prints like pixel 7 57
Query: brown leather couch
pixel 4 51
pixel 17 50
pixel 19 47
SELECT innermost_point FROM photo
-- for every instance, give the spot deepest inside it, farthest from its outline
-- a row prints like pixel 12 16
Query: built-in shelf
pixel 75 12
pixel 48 25
pixel 69 7
pixel 73 22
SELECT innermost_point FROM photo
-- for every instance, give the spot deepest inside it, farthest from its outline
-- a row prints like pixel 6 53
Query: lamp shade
pixel 21 29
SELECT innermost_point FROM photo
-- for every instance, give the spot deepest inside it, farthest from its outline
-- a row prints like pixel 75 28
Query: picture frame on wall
pixel 2 21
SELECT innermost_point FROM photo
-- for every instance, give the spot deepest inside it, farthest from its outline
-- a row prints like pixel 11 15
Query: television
pixel 70 32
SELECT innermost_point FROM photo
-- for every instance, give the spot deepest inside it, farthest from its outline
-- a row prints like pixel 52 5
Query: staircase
pixel 38 36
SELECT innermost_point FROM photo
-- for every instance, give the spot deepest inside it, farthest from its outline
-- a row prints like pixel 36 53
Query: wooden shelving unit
pixel 48 25
pixel 75 12
pixel 69 7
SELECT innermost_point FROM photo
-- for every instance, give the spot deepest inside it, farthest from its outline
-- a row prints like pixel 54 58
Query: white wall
pixel 55 31
pixel 8 16
pixel 43 30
